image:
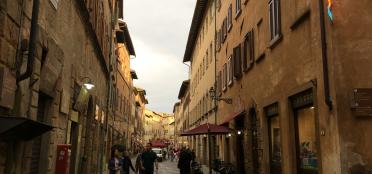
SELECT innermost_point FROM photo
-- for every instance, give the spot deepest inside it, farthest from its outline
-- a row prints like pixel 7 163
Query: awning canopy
pixel 203 129
pixel 158 144
pixel 20 128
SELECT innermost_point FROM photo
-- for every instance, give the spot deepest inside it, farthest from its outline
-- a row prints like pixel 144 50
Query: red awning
pixel 203 129
pixel 158 144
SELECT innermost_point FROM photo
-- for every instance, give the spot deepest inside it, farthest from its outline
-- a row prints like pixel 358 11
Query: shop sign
pixel 363 102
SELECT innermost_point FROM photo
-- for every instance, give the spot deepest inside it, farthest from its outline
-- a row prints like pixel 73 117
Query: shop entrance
pixel 37 149
pixel 74 142
pixel 273 128
pixel 239 126
pixel 205 154
pixel 305 133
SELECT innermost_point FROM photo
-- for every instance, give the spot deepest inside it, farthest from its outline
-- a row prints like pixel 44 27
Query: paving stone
pixel 165 167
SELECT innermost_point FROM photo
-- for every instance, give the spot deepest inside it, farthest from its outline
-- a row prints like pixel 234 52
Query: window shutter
pixel 245 55
pixel 237 62
pixel 252 48
pixel 248 51
pixel 225 77
pixel 225 28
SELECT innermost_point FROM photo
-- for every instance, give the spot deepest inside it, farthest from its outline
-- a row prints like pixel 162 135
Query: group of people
pixel 144 163
pixel 120 162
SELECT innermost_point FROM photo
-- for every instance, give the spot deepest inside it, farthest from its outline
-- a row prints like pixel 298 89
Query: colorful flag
pixel 330 14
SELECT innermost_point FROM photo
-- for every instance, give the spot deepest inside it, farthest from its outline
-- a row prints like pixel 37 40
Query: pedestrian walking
pixel 149 158
pixel 171 154
pixel 126 163
pixel 184 161
pixel 114 163
pixel 139 163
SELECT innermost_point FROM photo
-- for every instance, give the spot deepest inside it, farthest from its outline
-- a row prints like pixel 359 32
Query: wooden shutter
pixel 248 51
pixel 225 30
pixel 237 62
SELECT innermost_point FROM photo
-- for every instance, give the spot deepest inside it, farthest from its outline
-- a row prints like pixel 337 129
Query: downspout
pixel 327 96
pixel 32 42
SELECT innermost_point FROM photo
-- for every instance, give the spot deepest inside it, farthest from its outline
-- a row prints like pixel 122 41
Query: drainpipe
pixel 32 42
pixel 327 96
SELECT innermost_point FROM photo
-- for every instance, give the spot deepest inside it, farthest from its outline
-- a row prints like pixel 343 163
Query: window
pixel 117 95
pixel 219 83
pixel 275 148
pixel 229 71
pixel 201 71
pixel 238 6
pixel 229 18
pixel 203 66
pixel 55 3
pixel 223 32
pixel 225 29
pixel 248 51
pixel 218 40
pixel 274 12
pixel 237 62
pixel 224 78
pixel 119 102
pixel 206 61
pixel 305 132
pixel 211 53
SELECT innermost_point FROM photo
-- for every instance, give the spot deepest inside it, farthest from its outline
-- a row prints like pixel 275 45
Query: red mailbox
pixel 63 159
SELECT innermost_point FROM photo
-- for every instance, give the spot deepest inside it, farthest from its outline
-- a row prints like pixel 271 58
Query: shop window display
pixel 306 141
pixel 275 145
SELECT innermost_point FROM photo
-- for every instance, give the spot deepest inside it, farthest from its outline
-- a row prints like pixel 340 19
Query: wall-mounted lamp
pixel 239 132
pixel 229 135
pixel 88 83
pixel 212 94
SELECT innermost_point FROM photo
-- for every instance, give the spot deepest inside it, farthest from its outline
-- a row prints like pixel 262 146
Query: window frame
pixel 230 70
pixel 238 8
pixel 274 21
pixel 229 18
pixel 224 78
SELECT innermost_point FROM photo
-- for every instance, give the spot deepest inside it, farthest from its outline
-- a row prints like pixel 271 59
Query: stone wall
pixel 65 53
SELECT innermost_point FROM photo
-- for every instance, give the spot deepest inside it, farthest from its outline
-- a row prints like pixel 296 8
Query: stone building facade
pixel 44 81
pixel 296 73
pixel 123 86
pixel 139 119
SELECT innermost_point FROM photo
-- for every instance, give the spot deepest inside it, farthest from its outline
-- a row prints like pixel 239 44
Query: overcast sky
pixel 159 31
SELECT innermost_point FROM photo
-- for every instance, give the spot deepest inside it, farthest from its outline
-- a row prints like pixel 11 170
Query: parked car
pixel 159 153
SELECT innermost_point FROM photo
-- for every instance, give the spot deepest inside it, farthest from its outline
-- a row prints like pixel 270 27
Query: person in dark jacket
pixel 126 163
pixel 184 161
pixel 193 155
pixel 149 159
pixel 114 163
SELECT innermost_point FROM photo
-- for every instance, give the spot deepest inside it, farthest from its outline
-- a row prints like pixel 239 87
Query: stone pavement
pixel 165 167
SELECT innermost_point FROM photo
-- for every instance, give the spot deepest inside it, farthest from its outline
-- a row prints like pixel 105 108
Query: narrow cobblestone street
pixel 165 167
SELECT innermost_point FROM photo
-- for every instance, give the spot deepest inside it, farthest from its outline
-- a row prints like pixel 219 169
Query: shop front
pixel 307 154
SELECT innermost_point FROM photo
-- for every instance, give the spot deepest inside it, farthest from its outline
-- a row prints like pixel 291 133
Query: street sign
pixel 363 102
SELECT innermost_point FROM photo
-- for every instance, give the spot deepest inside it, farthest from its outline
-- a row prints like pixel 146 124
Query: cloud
pixel 159 29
